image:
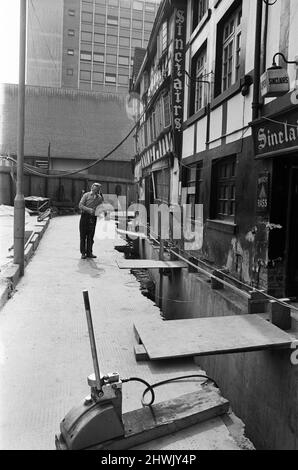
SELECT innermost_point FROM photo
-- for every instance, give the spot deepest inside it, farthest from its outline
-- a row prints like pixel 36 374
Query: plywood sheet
pixel 150 264
pixel 131 234
pixel 206 336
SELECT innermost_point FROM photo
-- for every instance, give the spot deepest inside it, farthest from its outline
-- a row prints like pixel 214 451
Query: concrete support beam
pixel 215 284
pixel 258 302
pixel 280 315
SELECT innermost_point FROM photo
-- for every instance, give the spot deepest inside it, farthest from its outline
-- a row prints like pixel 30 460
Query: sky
pixel 9 41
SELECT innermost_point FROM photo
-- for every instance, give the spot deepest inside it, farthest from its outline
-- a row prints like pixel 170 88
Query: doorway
pixel 292 236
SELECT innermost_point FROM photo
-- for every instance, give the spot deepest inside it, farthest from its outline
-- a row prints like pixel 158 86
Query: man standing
pixel 88 204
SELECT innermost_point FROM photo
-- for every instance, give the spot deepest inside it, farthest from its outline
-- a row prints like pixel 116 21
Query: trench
pixel 147 286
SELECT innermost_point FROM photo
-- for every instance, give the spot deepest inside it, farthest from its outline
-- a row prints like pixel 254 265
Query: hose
pixel 149 387
pixel 157 384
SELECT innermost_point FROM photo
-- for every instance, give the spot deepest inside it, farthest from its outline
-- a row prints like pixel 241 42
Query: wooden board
pixel 150 264
pixel 206 336
pixel 122 214
pixel 131 234
pixel 163 418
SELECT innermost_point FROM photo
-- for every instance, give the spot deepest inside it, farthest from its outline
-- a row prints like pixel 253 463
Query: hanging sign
pixel 277 134
pixel 274 82
pixel 178 77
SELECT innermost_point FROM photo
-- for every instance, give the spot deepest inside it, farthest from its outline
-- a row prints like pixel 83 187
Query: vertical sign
pixel 263 192
pixel 178 78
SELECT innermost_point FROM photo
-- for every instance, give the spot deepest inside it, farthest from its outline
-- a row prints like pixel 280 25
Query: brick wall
pixel 79 125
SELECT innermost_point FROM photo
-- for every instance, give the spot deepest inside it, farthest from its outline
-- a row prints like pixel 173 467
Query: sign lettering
pixel 178 78
pixel 262 192
pixel 280 133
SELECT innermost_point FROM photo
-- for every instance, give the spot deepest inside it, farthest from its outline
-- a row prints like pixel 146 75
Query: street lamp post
pixel 19 201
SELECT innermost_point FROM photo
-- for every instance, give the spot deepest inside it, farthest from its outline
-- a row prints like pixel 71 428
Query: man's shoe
pixel 84 256
pixel 91 256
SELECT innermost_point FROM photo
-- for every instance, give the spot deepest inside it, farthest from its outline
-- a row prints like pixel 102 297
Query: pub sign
pixel 178 77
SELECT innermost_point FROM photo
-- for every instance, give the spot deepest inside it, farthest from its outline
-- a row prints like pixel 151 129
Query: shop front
pixel 276 138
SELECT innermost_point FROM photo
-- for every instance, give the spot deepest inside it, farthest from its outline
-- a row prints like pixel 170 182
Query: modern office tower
pixel 86 44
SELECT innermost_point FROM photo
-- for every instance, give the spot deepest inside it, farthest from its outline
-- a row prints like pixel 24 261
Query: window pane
pixel 137 5
pixel 150 7
pixel 112 40
pixel 122 80
pixel 225 188
pixel 112 20
pixel 147 26
pixel 201 89
pixel 100 19
pixel 124 41
pixel 85 75
pixel 86 36
pixel 98 57
pixel 87 17
pixel 123 60
pixel 111 59
pixel 110 78
pixel 99 38
pixel 97 76
pixel 85 55
pixel 125 22
pixel 231 50
pixel 136 43
pixel 137 24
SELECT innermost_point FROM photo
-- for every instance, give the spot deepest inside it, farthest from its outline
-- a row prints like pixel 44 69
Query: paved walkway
pixel 45 355
pixel 6 232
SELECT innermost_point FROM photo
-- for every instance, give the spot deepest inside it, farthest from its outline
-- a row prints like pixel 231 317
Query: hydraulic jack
pixel 99 417
pixel 97 423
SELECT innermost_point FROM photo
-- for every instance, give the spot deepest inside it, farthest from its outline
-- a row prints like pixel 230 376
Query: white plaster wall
pixel 215 126
pixel 188 19
pixel 201 135
pixel 273 32
pixel 188 142
pixel 293 43
pixel 239 115
pixel 235 113
pixel 250 7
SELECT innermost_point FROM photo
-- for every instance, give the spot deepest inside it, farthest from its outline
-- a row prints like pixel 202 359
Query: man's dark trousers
pixel 87 230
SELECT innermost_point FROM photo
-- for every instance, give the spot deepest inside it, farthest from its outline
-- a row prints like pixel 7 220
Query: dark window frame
pixel 200 8
pixel 219 87
pixel 85 79
pixel 87 53
pixel 195 86
pixel 223 205
pixel 194 180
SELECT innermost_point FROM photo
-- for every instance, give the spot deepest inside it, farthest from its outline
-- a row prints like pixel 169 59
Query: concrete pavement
pixel 45 355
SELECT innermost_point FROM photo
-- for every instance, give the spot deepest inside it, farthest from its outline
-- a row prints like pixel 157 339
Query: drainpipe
pixel 257 61
pixel 264 40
